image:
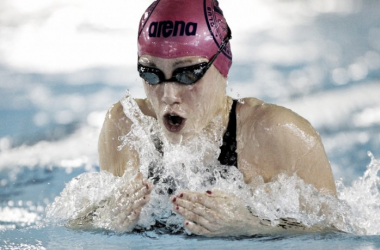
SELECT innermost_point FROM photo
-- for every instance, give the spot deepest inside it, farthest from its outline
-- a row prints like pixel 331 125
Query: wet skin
pixel 270 140
pixel 215 213
pixel 197 104
pixel 134 196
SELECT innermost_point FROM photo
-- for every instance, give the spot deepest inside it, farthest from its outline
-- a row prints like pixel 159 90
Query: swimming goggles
pixel 186 75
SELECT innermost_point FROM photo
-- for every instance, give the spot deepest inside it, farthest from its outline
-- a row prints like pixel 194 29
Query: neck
pixel 218 126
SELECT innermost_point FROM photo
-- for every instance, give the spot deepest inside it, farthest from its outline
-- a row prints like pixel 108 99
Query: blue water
pixel 322 62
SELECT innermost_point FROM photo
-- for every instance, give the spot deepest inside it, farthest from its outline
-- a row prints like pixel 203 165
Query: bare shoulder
pixel 116 124
pixel 117 121
pixel 114 118
pixel 254 113
pixel 273 140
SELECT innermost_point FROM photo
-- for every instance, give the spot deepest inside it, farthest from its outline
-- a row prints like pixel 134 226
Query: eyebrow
pixel 149 64
pixel 181 62
pixel 175 64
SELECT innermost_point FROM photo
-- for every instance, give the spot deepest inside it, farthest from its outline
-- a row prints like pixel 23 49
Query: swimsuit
pixel 228 155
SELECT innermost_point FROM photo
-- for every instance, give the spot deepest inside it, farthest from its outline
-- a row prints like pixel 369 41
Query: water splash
pixel 193 165
pixel 363 198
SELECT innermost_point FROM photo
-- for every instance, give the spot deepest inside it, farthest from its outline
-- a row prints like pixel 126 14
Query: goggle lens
pixel 150 77
pixel 187 75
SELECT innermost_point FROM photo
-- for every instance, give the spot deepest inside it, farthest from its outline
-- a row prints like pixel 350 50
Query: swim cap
pixel 177 28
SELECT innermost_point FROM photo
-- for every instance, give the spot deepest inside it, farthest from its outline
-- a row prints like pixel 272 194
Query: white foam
pixel 182 168
pixel 63 153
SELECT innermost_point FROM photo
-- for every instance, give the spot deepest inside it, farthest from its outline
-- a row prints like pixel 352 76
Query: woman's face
pixel 184 110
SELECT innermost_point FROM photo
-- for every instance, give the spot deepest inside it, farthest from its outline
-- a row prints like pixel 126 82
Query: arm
pixel 123 206
pixel 116 124
pixel 279 141
pixel 272 140
pixel 118 210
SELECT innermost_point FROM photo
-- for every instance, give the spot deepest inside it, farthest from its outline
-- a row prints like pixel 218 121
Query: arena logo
pixel 168 28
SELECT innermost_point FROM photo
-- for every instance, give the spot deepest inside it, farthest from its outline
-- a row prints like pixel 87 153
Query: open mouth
pixel 173 122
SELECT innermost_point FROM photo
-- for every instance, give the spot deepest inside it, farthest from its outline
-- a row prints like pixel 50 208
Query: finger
pixel 148 185
pixel 197 208
pixel 190 215
pixel 217 193
pixel 195 197
pixel 140 178
pixel 135 203
pixel 137 182
pixel 124 211
pixel 130 221
pixel 131 188
pixel 142 183
pixel 125 202
pixel 128 199
pixel 173 198
pixel 134 215
pixel 136 185
pixel 214 193
pixel 140 193
pixel 197 229
pixel 138 204
pixel 131 216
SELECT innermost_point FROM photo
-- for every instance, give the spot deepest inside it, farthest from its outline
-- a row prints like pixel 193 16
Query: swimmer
pixel 184 56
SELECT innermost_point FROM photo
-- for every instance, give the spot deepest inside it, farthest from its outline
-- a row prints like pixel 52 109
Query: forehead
pixel 153 61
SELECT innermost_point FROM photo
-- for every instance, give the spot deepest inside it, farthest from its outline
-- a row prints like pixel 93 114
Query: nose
pixel 171 93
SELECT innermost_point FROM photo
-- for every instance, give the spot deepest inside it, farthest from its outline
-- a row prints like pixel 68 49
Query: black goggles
pixel 186 75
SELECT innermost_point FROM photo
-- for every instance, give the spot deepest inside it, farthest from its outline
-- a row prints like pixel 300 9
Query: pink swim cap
pixel 177 28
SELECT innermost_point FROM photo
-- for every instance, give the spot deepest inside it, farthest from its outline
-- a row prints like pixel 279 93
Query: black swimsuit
pixel 228 155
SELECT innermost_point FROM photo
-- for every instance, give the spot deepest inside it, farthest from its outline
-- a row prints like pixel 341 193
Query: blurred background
pixel 63 63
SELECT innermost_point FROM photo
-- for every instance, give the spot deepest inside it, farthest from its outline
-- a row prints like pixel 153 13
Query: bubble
pixel 98 199
pixel 340 76
pixel 5 143
pixel 372 60
pixel 64 117
pixel 358 71
pixel 41 119
pixel 3 182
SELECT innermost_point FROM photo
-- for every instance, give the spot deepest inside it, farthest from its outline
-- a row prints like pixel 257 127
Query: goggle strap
pixel 224 43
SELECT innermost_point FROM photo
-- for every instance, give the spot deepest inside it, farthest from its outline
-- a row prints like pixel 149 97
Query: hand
pixel 215 213
pixel 127 203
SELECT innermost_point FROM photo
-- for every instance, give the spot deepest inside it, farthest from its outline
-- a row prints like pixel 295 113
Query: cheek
pixel 206 94
pixel 195 96
pixel 152 92
pixel 201 100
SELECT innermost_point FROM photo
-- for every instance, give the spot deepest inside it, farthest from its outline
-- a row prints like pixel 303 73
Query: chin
pixel 177 137
pixel 174 138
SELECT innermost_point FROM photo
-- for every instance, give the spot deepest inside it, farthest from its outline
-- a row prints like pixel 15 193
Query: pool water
pixel 321 60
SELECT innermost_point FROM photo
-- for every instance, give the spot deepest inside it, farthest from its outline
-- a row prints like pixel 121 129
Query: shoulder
pixel 256 116
pixel 274 140
pixel 117 120
pixel 117 124
pixel 115 113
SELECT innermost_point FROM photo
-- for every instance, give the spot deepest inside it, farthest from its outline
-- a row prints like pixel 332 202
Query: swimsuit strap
pixel 228 155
